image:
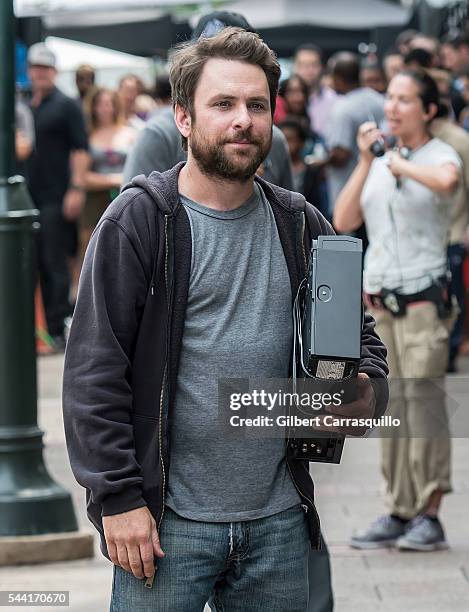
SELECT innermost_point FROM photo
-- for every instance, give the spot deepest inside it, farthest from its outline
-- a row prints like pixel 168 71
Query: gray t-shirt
pixel 407 225
pixel 238 324
pixel 159 148
pixel 349 112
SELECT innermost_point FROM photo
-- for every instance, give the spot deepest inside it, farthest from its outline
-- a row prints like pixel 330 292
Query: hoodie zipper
pixel 149 581
pixel 160 441
pixel 160 429
pixel 303 227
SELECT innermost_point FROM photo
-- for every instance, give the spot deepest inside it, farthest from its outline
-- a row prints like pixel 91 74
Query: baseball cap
pixel 40 55
pixel 214 22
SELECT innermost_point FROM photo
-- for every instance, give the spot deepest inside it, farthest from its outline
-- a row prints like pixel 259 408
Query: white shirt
pixel 407 224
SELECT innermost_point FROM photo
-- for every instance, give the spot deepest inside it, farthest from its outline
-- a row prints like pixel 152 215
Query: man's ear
pixel 183 120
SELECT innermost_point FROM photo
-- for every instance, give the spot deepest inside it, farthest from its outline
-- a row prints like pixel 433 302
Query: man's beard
pixel 240 166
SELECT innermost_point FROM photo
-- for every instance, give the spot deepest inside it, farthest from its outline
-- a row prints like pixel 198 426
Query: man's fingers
pixel 133 541
pixel 135 562
pixel 112 552
pixel 147 556
pixel 356 409
pixel 320 426
pixel 156 543
pixel 122 557
pixel 345 431
pixel 357 432
pixel 363 406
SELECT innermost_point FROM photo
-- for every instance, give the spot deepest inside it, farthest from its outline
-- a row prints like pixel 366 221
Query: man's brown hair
pixel 189 59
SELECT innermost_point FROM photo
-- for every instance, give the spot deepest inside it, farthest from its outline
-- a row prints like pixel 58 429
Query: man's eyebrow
pixel 259 99
pixel 222 96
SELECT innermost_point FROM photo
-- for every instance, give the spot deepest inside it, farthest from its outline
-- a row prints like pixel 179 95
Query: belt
pixel 397 303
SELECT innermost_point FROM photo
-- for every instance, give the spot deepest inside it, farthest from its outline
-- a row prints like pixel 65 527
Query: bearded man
pixel 189 278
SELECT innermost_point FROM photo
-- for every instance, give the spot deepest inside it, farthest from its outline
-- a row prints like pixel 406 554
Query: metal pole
pixel 30 501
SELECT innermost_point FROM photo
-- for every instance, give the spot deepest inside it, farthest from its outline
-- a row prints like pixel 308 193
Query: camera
pixel 382 144
pixel 328 320
pixel 378 147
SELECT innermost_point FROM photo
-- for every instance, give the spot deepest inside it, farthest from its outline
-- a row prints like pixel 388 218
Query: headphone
pixel 404 152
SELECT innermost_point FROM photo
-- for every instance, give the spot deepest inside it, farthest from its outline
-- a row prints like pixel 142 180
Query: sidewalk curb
pixel 46 548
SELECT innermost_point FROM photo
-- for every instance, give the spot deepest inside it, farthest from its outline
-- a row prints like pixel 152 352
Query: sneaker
pixel 382 533
pixel 423 534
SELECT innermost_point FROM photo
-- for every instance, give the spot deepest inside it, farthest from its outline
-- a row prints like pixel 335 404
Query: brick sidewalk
pixel 348 496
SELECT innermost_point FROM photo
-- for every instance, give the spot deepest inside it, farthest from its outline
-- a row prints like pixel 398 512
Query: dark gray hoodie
pixel 122 356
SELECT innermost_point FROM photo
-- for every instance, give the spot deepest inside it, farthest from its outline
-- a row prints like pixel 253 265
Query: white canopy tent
pixel 333 13
pixel 110 65
pixel 32 8
pixel 139 27
pixel 345 14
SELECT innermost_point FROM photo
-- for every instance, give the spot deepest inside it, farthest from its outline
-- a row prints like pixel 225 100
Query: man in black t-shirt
pixel 455 58
pixel 56 182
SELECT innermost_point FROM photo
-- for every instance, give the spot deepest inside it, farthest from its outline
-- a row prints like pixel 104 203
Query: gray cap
pixel 40 55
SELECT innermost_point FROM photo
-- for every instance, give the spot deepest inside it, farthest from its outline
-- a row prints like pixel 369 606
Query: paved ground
pixel 348 496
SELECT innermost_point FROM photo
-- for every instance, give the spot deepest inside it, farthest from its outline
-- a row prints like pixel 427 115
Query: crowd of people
pixel 393 155
pixel 72 152
pixel 380 145
pixel 319 109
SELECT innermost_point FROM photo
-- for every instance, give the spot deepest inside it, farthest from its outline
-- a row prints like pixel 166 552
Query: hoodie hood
pixel 162 187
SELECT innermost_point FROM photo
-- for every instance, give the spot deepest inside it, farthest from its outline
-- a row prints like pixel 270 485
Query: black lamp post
pixel 31 502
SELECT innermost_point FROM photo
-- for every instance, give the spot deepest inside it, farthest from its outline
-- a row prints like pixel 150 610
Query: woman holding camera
pixel 404 198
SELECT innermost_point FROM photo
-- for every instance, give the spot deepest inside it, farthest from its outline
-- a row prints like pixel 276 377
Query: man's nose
pixel 243 118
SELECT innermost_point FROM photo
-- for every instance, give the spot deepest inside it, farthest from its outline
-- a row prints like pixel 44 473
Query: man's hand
pixel 23 146
pixel 132 541
pixel 363 407
pixel 74 201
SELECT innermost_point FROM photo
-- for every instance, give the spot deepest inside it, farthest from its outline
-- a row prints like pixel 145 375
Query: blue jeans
pixel 250 566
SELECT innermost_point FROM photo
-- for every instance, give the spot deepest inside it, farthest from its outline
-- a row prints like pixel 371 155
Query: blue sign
pixel 21 64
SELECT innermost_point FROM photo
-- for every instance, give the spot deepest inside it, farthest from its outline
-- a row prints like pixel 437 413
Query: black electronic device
pixel 378 147
pixel 328 326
